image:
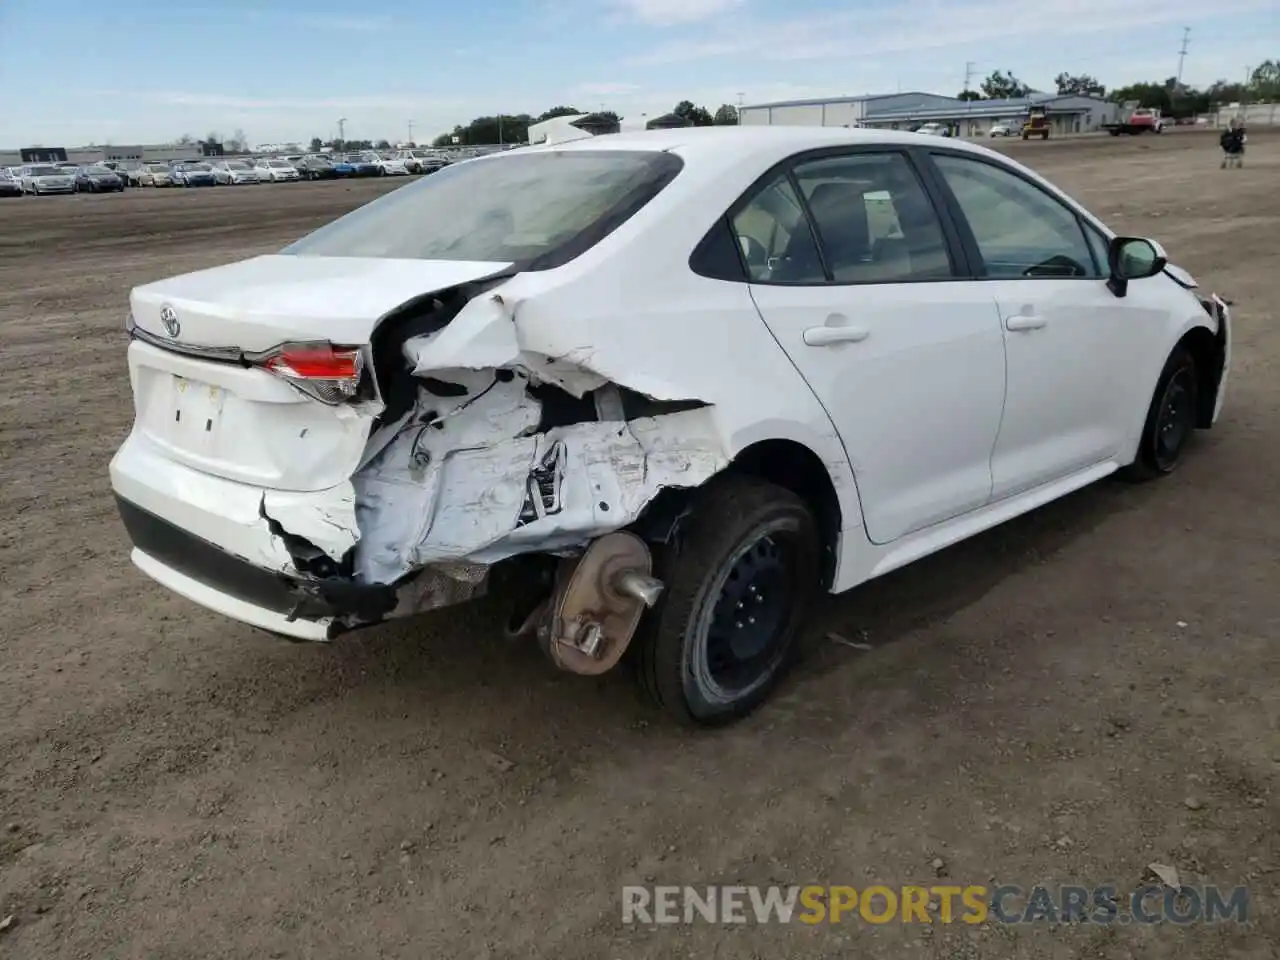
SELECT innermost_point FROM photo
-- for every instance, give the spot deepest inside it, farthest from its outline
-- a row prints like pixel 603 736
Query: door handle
pixel 1025 322
pixel 825 336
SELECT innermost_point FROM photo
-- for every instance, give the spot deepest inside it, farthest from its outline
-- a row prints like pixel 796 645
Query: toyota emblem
pixel 169 318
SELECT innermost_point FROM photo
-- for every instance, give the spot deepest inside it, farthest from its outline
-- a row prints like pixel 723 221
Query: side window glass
pixel 875 221
pixel 1022 232
pixel 1101 248
pixel 774 236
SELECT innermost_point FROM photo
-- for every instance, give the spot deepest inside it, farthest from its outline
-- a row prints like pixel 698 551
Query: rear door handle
pixel 1024 322
pixel 825 336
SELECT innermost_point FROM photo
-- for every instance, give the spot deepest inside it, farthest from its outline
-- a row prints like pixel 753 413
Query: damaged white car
pixel 679 382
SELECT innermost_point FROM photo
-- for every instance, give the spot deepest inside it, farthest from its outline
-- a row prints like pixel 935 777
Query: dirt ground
pixel 1064 700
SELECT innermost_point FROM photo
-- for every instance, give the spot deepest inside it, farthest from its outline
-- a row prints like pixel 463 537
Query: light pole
pixel 342 128
pixel 411 133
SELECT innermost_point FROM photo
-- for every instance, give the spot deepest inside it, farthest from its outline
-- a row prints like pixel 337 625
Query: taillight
pixel 329 374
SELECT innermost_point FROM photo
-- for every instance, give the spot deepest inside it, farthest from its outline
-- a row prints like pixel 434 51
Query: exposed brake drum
pixel 597 603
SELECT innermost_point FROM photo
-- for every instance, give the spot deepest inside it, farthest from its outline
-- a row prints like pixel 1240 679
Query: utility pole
pixel 342 128
pixel 968 74
pixel 739 108
pixel 499 129
pixel 411 132
pixel 1182 55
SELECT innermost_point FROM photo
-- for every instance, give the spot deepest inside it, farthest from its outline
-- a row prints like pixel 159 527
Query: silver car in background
pixel 42 178
pixel 233 172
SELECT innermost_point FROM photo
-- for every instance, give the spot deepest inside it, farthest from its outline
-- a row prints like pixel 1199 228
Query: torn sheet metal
pixel 486 334
pixel 328 520
pixel 470 478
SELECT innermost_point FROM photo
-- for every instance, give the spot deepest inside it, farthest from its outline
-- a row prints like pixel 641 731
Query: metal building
pixel 1067 114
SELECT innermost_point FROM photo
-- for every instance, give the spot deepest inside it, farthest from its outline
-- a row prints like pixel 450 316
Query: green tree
pixel 697 116
pixel 726 116
pixel 1001 85
pixel 1083 85
pixel 968 95
pixel 1264 82
pixel 185 140
pixel 382 145
pixel 316 144
pixel 557 112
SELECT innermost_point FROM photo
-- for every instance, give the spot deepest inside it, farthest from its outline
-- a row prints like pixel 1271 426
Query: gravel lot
pixel 1064 700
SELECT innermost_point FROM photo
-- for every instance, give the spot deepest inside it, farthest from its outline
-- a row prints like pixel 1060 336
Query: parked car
pixel 392 165
pixel 367 164
pixel 314 166
pixel 276 170
pixel 234 172
pixel 42 178
pixel 934 129
pixel 154 175
pixel 194 173
pixel 342 167
pixel 98 179
pixel 425 396
pixel 121 169
pixel 1004 130
pixel 423 161
pixel 10 186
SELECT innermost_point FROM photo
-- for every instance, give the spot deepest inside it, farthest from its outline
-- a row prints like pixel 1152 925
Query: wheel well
pixel 797 468
pixel 1208 354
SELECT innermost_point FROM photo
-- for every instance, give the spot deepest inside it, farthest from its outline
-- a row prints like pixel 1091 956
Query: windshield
pixel 316 159
pixel 237 165
pixel 157 168
pixel 101 171
pixel 197 167
pixel 535 207
pixel 45 171
pixel 278 164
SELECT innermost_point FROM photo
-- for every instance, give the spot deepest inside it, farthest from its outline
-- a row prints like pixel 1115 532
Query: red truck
pixel 1141 120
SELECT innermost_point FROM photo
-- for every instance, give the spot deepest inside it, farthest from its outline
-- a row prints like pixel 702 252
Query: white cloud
pixel 605 89
pixel 665 13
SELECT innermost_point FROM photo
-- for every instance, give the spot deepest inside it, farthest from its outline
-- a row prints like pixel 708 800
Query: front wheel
pixel 739 585
pixel 1171 419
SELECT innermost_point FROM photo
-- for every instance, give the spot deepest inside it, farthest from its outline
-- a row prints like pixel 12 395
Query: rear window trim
pixel 666 166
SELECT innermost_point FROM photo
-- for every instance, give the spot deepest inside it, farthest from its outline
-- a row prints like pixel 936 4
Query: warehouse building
pixel 146 153
pixel 905 111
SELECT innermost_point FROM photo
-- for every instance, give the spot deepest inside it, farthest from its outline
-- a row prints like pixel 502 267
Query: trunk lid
pixel 260 303
pixel 245 423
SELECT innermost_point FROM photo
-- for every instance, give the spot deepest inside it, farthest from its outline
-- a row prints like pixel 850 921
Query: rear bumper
pixel 210 540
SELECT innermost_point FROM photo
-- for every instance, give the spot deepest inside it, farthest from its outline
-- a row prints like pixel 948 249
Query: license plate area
pixel 193 414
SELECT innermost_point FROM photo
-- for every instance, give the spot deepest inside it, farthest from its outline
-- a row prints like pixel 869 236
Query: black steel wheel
pixel 1171 419
pixel 739 585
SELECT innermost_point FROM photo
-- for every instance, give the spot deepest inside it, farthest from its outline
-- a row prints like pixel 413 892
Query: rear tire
pixel 739 585
pixel 1170 422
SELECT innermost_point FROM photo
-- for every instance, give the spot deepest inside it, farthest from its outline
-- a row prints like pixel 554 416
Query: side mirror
pixel 1133 258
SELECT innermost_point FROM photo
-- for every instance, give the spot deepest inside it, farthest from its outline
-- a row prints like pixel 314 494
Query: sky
pixel 76 72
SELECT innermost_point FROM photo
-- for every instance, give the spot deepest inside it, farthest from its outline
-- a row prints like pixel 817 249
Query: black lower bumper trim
pixel 222 571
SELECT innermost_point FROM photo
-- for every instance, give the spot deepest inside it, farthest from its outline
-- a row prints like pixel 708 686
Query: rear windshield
pixel 537 209
pixel 45 171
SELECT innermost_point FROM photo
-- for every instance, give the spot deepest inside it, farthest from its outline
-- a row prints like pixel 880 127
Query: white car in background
pixel 502 371
pixel 276 170
pixel 38 179
pixel 1003 130
pixel 393 165
pixel 234 172
pixel 934 129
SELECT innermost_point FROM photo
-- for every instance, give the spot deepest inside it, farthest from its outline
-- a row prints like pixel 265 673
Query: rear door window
pixel 874 219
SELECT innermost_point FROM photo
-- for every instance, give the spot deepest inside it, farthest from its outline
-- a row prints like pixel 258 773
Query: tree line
pixel 1173 98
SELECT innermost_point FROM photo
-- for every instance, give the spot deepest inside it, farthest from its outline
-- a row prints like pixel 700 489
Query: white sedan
pixel 678 381
pixel 276 170
pixel 393 165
